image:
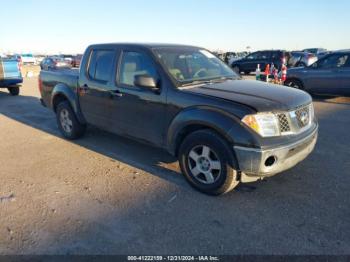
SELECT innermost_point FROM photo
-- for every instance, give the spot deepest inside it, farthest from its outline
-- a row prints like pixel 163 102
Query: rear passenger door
pixel 95 89
pixel 139 112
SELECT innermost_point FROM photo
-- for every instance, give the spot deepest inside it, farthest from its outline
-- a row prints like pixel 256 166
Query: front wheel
pixel 207 162
pixel 14 90
pixel 67 122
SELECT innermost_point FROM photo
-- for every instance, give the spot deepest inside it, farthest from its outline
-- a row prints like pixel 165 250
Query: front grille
pixel 295 121
pixel 303 116
pixel 283 123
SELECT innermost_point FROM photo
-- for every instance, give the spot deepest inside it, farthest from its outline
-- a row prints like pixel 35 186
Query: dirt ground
pixel 104 194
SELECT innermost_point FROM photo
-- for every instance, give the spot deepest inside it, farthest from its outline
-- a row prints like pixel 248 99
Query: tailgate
pixel 9 69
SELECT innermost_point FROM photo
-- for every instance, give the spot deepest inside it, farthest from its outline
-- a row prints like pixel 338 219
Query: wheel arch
pixel 194 119
pixel 61 93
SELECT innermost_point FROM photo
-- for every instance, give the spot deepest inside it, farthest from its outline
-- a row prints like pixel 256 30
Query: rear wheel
pixel 294 83
pixel 14 90
pixel 67 121
pixel 207 162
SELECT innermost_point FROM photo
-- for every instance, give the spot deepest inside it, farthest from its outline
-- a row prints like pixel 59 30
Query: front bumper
pixel 252 162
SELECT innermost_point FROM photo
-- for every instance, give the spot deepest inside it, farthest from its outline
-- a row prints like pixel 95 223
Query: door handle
pixel 115 93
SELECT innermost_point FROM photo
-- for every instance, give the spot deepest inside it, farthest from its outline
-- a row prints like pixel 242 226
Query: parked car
pixel 68 58
pixel 28 59
pixel 10 75
pixel 330 75
pixel 184 99
pixel 54 62
pixel 249 63
pixel 301 59
pixel 76 60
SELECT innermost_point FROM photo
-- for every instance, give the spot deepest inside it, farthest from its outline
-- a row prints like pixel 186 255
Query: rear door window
pixel 101 65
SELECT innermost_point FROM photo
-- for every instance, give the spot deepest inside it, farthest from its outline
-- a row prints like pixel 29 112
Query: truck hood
pixel 261 96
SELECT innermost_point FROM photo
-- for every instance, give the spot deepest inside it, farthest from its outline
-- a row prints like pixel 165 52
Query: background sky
pixel 68 26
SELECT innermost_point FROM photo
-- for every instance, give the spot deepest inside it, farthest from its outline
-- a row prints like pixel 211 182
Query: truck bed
pixel 51 78
pixel 9 73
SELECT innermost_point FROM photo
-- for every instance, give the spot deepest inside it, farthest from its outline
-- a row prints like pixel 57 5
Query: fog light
pixel 270 161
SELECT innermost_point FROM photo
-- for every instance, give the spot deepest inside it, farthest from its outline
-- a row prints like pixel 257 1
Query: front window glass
pixel 134 64
pixel 189 65
pixel 333 61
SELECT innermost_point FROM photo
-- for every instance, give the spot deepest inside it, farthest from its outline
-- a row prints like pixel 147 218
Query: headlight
pixel 265 124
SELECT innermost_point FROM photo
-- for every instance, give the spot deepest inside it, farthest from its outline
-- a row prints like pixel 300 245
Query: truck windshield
pixel 188 66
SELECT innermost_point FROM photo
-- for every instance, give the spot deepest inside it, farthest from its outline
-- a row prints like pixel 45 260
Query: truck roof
pixel 144 45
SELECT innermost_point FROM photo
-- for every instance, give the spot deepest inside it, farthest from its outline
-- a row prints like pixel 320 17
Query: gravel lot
pixel 108 195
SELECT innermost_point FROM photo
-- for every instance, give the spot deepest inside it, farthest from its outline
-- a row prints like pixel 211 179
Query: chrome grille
pixel 283 123
pixel 295 121
pixel 303 116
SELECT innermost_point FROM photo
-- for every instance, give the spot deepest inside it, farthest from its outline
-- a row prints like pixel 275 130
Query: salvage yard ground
pixel 104 194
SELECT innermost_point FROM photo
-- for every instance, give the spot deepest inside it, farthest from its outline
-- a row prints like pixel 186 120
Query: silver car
pixel 330 75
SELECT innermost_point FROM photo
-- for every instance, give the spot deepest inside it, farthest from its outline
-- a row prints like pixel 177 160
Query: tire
pixel 208 163
pixel 14 90
pixel 236 69
pixel 294 83
pixel 68 123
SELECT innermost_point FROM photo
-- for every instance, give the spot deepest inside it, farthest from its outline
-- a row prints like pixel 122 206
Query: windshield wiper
pixel 211 81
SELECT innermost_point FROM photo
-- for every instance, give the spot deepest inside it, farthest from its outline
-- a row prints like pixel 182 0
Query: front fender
pixel 227 125
pixel 71 96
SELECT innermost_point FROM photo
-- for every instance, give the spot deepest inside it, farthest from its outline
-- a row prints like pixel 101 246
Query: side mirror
pixel 145 81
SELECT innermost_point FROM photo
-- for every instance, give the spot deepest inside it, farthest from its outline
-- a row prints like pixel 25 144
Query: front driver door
pixel 139 112
pixel 323 76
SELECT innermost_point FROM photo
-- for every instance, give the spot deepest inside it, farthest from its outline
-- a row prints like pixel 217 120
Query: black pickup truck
pixel 224 130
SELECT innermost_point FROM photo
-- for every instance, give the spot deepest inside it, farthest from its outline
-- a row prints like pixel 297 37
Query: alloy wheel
pixel 65 120
pixel 204 164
